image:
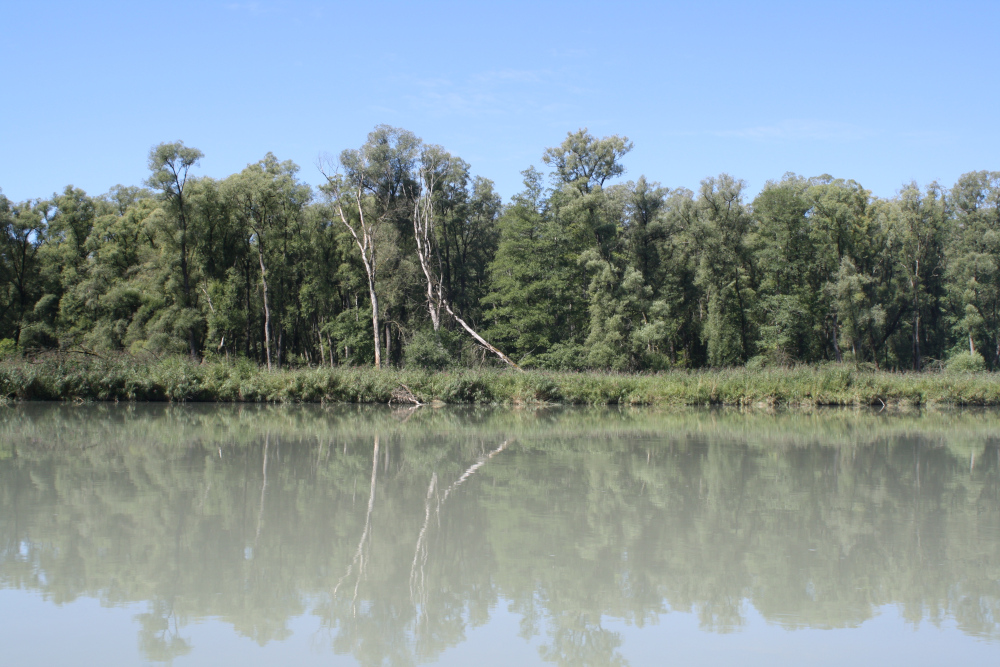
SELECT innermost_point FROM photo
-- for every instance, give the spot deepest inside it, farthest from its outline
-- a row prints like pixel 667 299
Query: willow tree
pixel 920 224
pixel 170 164
pixel 266 199
pixel 726 270
pixel 370 199
pixel 974 262
pixel 22 233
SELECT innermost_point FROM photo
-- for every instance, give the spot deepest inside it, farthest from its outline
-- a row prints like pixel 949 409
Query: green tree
pixel 726 270
pixel 169 164
pixel 23 234
pixel 372 200
pixel 920 225
pixel 974 262
pixel 529 304
pixel 267 202
pixel 795 261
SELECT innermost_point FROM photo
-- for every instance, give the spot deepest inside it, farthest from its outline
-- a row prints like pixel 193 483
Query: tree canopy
pixel 404 257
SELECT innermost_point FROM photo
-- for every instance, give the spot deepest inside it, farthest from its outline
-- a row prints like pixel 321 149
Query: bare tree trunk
pixel 185 279
pixel 279 347
pixel 267 308
pixel 375 327
pixel 423 225
pixel 388 344
pixel 836 343
pixel 322 351
pixel 366 244
pixel 482 341
pixel 263 490
pixel 420 552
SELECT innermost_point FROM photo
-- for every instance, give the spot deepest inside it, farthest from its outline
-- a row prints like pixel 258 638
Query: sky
pixel 881 92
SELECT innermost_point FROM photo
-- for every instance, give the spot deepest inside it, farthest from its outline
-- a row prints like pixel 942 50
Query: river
pixel 345 535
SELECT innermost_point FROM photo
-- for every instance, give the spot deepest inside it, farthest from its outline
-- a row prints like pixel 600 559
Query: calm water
pixel 205 535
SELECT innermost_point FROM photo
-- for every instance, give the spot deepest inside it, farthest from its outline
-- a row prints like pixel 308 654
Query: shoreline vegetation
pixel 403 258
pixel 60 377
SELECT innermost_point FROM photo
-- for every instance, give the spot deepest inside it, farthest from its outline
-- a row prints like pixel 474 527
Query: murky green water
pixel 205 535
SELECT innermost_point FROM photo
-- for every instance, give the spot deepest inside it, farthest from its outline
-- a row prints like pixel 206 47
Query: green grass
pixel 124 378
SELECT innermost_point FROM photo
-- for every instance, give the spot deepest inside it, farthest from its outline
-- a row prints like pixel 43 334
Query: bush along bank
pixel 124 378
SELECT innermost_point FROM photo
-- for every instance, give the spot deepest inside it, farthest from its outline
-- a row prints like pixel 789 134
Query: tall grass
pixel 124 378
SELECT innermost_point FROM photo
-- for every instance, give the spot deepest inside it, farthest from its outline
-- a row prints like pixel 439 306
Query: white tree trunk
pixel 366 244
pixel 378 343
pixel 423 222
pixel 423 231
pixel 482 341
pixel 267 308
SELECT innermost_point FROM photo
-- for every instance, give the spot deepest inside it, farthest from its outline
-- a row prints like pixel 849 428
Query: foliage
pixel 117 377
pixel 425 350
pixel 581 270
pixel 966 362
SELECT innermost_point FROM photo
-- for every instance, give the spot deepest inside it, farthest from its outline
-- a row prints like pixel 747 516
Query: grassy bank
pixel 81 377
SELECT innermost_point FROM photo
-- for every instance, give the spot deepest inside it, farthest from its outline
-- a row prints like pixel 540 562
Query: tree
pixel 866 300
pixel 586 162
pixel 267 200
pixel 170 164
pixel 467 237
pixel 434 161
pixel 726 270
pixel 529 282
pixel 919 225
pixel 795 262
pixel 377 177
pixel 23 232
pixel 974 262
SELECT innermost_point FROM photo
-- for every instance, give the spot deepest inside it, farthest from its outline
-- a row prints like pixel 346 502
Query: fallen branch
pixel 403 394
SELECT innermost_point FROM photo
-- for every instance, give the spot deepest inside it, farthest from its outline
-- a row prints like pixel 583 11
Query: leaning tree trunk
pixel 482 341
pixel 423 223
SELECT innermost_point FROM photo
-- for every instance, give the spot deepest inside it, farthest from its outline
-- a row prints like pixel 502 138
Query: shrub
pixel 966 362
pixel 426 351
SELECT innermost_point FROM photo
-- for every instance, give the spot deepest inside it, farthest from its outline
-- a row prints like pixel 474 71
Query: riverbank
pixel 122 378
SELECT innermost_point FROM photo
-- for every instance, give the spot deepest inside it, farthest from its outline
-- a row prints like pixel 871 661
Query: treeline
pixel 403 257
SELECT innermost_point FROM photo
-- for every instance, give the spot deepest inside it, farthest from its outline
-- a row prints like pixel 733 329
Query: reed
pixel 63 377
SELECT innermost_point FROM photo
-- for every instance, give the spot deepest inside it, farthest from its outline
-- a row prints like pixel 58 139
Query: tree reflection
pixel 159 634
pixel 258 516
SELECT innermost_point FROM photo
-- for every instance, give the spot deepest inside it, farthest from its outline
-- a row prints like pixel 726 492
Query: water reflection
pixel 402 531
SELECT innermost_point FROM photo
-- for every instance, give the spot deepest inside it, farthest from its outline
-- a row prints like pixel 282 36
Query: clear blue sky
pixel 883 93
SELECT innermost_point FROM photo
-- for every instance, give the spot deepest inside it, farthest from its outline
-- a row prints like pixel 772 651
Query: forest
pixel 404 257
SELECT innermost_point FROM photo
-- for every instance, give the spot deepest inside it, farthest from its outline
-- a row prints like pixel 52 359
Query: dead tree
pixel 424 232
pixel 365 232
